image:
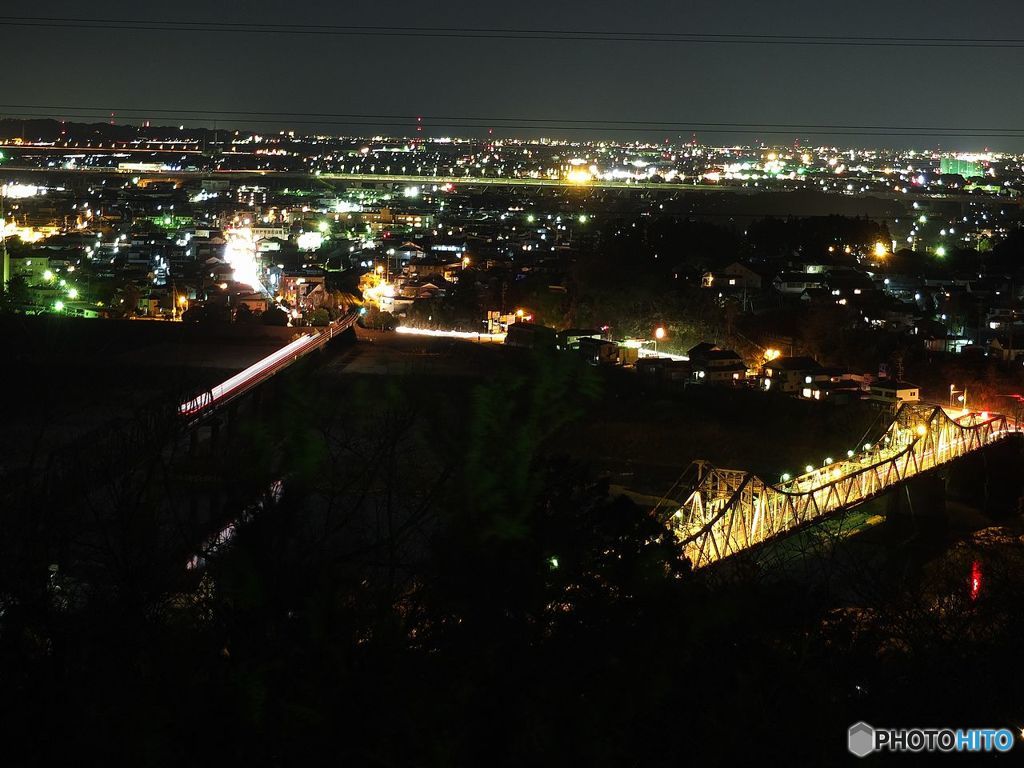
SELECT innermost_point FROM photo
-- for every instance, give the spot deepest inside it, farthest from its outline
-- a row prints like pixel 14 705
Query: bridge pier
pixel 214 435
pixel 919 505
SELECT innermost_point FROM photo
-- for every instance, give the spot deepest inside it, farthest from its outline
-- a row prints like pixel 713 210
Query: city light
pixel 240 254
pixel 881 251
pixel 579 176
pixel 310 241
pixel 468 335
pixel 659 333
pixel 21 191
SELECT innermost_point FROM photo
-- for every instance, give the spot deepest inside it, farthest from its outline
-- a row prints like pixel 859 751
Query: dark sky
pixel 818 85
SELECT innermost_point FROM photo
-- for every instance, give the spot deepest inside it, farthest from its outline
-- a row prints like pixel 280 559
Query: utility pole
pixel 1013 319
pixel 3 240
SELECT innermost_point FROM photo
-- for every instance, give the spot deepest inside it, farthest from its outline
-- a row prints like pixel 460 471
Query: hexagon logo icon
pixel 860 739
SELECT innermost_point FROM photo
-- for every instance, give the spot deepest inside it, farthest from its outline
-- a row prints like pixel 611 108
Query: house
pixel 598 351
pixel 710 364
pixel 735 276
pixel 664 369
pixel 788 374
pixel 795 283
pixel 296 285
pixel 530 336
pixel 570 339
pixel 426 288
pixel 847 284
pixel 894 392
pixel 833 385
pixel 749 277
pixel 1006 349
pixel 256 302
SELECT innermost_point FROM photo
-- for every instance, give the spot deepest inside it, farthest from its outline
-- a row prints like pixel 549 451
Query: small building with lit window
pixel 894 392
pixel 788 374
pixel 710 364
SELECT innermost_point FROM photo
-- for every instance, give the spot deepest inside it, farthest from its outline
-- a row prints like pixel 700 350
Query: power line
pixel 504 123
pixel 506 33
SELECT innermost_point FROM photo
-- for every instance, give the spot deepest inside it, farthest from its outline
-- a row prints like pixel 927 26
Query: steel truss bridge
pixel 730 511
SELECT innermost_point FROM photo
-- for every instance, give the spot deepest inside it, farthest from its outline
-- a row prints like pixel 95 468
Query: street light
pixel 957 395
pixel 659 334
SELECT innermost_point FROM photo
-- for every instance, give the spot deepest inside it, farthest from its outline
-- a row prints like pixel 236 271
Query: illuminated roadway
pixel 500 181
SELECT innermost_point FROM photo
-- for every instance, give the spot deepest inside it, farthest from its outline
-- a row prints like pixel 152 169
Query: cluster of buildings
pixel 669 159
pixel 157 246
pixel 708 364
pixel 153 231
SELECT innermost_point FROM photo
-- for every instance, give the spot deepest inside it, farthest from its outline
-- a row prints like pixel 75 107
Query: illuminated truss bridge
pixel 732 510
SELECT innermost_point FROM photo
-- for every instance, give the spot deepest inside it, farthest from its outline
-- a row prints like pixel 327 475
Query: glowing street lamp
pixel 659 334
pixel 957 396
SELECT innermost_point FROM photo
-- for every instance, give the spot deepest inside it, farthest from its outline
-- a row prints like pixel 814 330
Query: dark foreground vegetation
pixel 434 583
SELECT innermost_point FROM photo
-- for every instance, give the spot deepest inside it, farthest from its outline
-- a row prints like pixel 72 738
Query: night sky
pixel 519 79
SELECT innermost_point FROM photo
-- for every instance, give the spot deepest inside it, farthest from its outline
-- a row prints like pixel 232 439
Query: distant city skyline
pixel 464 84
